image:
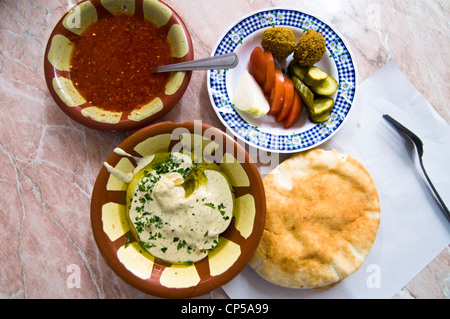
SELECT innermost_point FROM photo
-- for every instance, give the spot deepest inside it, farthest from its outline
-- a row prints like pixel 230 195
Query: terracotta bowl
pixel 58 55
pixel 113 232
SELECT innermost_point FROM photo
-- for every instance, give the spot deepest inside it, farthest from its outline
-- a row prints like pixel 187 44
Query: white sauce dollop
pixel 174 227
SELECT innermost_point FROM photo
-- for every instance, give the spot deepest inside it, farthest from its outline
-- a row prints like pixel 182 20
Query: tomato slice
pixel 287 101
pixel 257 66
pixel 277 94
pixel 294 114
pixel 270 72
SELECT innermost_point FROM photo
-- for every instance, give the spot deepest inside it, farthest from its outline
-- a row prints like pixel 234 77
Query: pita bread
pixel 323 214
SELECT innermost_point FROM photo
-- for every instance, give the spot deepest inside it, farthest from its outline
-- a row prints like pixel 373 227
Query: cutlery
pixel 224 61
pixel 419 147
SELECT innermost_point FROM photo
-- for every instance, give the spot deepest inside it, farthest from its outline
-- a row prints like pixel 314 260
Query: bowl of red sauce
pixel 100 59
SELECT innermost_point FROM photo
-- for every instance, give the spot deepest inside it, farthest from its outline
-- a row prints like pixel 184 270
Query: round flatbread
pixel 323 214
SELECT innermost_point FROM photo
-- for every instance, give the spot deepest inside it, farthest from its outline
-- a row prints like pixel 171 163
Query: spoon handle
pixel 224 61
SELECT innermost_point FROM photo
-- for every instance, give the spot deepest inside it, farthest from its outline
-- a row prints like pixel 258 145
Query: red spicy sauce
pixel 113 59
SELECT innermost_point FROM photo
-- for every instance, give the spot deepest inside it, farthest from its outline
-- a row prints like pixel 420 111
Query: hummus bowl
pixel 65 86
pixel 115 231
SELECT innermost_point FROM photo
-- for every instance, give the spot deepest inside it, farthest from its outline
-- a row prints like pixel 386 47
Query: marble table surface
pixel 49 162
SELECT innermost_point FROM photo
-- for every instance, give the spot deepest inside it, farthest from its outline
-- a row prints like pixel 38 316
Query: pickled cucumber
pixel 315 76
pixel 327 87
pixel 319 118
pixel 314 86
pixel 305 93
pixel 296 70
pixel 322 105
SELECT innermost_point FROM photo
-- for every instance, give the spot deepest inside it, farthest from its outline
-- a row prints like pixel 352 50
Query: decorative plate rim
pixel 294 142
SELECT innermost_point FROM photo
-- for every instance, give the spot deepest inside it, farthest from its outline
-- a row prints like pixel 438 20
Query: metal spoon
pixel 419 146
pixel 224 61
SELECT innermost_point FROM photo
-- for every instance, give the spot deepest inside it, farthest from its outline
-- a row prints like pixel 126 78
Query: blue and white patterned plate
pixel 265 133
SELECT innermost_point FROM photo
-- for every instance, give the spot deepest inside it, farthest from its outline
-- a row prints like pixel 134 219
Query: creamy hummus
pixel 178 208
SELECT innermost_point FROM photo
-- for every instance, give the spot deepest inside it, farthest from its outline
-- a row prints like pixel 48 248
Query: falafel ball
pixel 279 41
pixel 310 48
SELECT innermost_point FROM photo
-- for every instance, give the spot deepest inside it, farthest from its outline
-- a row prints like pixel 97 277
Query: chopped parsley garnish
pixel 147 245
pixel 167 165
pixel 221 208
pixel 153 225
pixel 181 244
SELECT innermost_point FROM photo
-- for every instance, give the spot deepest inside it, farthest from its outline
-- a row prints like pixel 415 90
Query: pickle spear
pixel 327 87
pixel 305 93
pixel 322 105
pixel 320 118
pixel 296 70
pixel 315 76
pixel 321 111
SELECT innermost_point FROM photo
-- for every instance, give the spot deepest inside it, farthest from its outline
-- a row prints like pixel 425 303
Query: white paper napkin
pixel 413 229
